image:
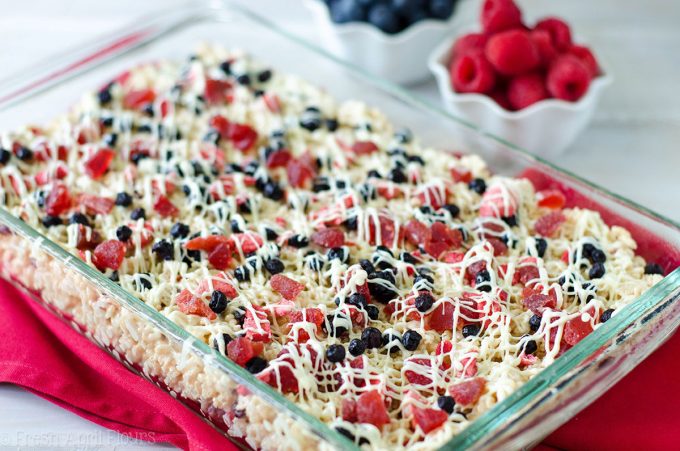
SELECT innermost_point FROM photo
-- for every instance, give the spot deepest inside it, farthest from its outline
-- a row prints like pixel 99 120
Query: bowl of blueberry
pixel 389 38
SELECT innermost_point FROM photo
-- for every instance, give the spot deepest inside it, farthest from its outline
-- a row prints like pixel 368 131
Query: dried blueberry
pixel 653 268
pixel 123 233
pixel 446 403
pixel 371 337
pixel 411 340
pixel 298 241
pixel 424 302
pixel 274 266
pixel 218 301
pixel 471 330
pixel 477 185
pixel 256 365
pixel 335 353
pixel 179 230
pixel 163 250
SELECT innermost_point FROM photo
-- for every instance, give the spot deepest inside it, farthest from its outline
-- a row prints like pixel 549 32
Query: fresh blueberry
pixel 264 76
pixel 541 246
pixel 358 300
pixel 424 302
pixel 411 340
pixel 453 209
pixel 441 9
pixel 356 347
pixel 477 185
pixel 606 315
pixel 446 403
pixel 137 213
pixel 373 312
pixel 534 323
pixel 529 347
pixel 298 241
pixel 385 18
pixel 179 230
pixel 123 233
pixel 471 330
pixel 163 250
pixel 596 271
pixel 24 153
pixel 79 218
pixel 347 11
pixel 256 365
pixel 5 155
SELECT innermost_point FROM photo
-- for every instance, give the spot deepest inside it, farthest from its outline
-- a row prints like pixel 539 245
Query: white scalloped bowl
pixel 545 128
pixel 400 58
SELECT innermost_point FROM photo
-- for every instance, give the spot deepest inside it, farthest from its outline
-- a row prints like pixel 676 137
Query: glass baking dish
pixel 236 403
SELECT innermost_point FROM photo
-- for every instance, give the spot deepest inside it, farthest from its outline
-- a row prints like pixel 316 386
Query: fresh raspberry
pixel 500 96
pixel 469 43
pixel 472 73
pixel 512 52
pixel 559 32
pixel 568 78
pixel 544 44
pixel 525 90
pixel 587 58
pixel 499 15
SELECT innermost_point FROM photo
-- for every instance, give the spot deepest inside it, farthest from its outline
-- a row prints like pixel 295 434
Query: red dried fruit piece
pixel 544 45
pixel 472 72
pixel 257 329
pixel 433 196
pixel 87 238
pixel 138 98
pixel 189 304
pixel 272 102
pixel 364 147
pixel 97 165
pixel 278 159
pixel 58 201
pixel 498 201
pixel 441 318
pixel 416 232
pixel 310 315
pixel 587 58
pixel 469 43
pixel 416 377
pixel 442 239
pixel 96 205
pixel 217 91
pixel 548 224
pixel 349 410
pixel 109 254
pixel 328 238
pixel 468 393
pixel 242 136
pixel 525 274
pixel 559 31
pixel 568 78
pixel 217 285
pixel 386 232
pixel 242 349
pixel 525 90
pixel 461 175
pixel 499 15
pixel 551 198
pixel 285 286
pixel 536 301
pixel 247 241
pixel 371 409
pixel 206 243
pixel 285 381
pixel 299 173
pixel 512 52
pixel 164 207
pixel 428 419
pixel 220 256
pixel 576 330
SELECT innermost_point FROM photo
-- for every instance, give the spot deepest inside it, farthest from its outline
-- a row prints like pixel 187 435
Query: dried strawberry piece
pixel 58 201
pixel 461 175
pixel 434 196
pixel 349 410
pixel 428 419
pixel 189 304
pixel 109 254
pixel 217 91
pixel 223 186
pixel 416 377
pixel 310 314
pixel 206 243
pixel 285 286
pixel 498 201
pixel 551 198
pixel 248 241
pixel 328 238
pixel 499 247
pixel 213 155
pixel 417 233
pixel 299 172
pixel 217 285
pixel 364 147
pixel 386 231
pixel 97 165
pixel 536 301
pixel 272 102
pixel 138 98
pixel 220 256
pixel 371 409
pixel 242 136
pixel 442 239
pixel 443 347
pixel 468 392
pixel 278 159
pixel 548 224
pixel 525 274
pixel 285 381
pixel 576 330
pixel 242 349
pixel 474 269
pixel 87 238
pixel 257 326
pixel 164 207
pixel 441 318
pixel 96 205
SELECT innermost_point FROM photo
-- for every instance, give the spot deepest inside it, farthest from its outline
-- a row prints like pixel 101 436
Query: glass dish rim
pixel 191 13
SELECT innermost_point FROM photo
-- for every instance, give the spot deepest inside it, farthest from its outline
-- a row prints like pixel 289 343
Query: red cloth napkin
pixel 47 357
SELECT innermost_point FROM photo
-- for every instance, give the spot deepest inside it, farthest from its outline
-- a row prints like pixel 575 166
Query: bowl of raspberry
pixel 389 38
pixel 531 85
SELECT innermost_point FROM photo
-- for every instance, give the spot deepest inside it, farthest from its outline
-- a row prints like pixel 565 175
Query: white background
pixel 632 147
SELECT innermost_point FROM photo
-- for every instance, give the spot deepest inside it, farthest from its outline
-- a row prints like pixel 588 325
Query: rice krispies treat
pixel 392 290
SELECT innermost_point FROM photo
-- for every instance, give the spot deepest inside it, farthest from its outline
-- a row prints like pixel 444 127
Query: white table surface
pixel 632 147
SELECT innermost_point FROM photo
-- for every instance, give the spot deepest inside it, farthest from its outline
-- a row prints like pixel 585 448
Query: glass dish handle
pixel 35 79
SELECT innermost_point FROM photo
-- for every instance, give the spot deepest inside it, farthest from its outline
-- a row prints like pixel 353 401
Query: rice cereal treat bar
pixel 392 290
